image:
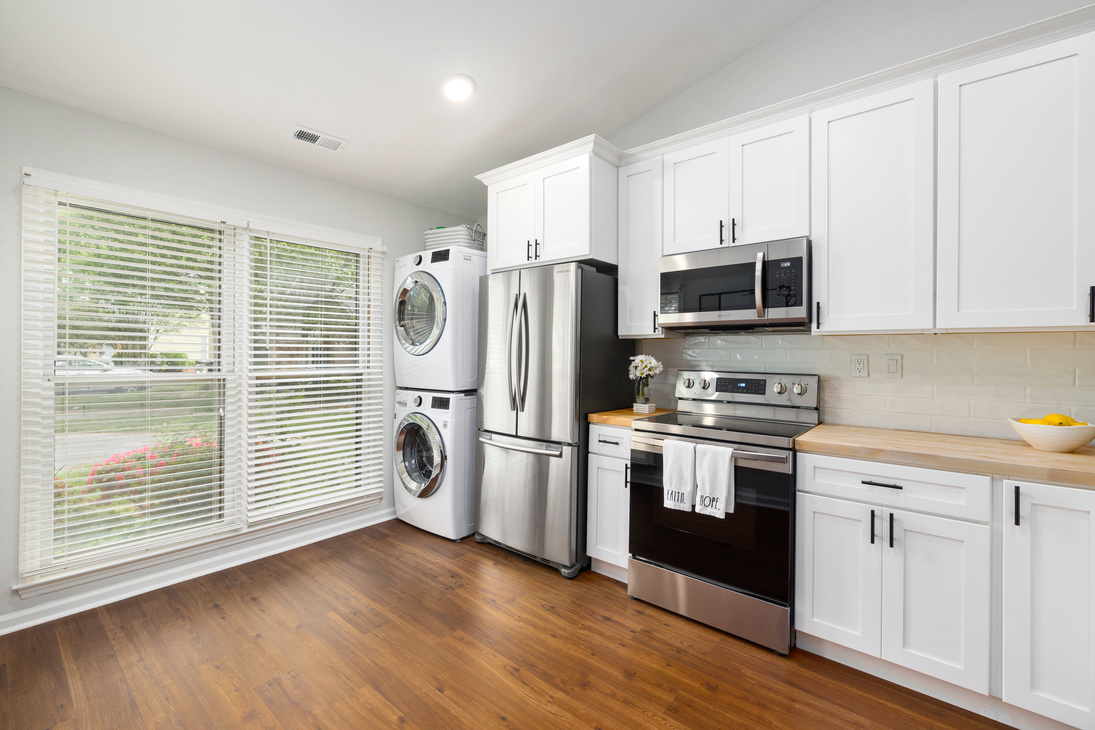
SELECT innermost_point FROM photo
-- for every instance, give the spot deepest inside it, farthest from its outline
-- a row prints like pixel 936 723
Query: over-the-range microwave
pixel 760 286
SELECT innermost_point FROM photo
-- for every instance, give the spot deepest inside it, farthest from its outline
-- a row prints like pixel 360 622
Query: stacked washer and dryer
pixel 436 324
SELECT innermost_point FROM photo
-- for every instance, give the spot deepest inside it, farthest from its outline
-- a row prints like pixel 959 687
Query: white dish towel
pixel 714 480
pixel 678 473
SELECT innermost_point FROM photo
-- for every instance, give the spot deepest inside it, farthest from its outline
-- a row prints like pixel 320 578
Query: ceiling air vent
pixel 319 139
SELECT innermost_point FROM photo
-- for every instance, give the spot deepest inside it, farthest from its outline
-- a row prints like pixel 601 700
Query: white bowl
pixel 1053 438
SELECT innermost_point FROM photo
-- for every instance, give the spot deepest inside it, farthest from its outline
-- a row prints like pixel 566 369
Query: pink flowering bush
pixel 178 477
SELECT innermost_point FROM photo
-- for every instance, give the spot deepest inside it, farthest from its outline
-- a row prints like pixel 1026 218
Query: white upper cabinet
pixel 751 187
pixel 1049 601
pixel 640 225
pixel 1016 189
pixel 557 206
pixel 697 198
pixel 770 182
pixel 873 163
pixel 511 222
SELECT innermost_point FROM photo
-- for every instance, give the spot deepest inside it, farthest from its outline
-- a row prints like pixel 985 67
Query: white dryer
pixel 436 318
pixel 435 461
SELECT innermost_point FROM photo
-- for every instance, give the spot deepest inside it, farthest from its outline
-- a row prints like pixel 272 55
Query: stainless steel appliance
pixel 735 573
pixel 756 286
pixel 548 357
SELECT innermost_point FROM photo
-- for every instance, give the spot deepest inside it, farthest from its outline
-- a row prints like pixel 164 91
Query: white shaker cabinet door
pixel 511 222
pixel 563 211
pixel 770 182
pixel 640 247
pixel 873 212
pixel 608 509
pixel 697 199
pixel 1016 221
pixel 1049 601
pixel 838 580
pixel 935 597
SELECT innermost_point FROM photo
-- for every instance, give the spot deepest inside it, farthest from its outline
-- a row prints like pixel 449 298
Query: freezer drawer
pixel 528 496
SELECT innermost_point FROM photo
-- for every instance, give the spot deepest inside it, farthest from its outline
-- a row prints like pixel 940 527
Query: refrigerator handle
pixel 510 390
pixel 523 355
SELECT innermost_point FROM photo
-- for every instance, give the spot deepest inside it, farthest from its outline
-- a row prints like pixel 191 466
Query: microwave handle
pixel 758 282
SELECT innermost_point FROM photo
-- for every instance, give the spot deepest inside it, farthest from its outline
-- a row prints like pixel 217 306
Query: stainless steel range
pixel 736 572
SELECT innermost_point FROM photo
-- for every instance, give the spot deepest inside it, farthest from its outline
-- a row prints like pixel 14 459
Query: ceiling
pixel 241 75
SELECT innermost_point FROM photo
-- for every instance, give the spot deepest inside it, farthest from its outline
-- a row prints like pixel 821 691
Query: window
pixel 186 378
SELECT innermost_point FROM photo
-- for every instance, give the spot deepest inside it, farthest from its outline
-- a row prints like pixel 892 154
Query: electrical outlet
pixel 859 366
pixel 893 366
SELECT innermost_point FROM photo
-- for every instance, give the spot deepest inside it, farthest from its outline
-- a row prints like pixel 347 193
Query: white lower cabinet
pixel 907 587
pixel 607 512
pixel 1049 601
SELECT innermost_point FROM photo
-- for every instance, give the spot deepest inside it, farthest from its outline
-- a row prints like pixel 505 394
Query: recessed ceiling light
pixel 457 88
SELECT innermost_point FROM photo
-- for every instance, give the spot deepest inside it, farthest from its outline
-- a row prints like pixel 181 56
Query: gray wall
pixel 60 139
pixel 839 41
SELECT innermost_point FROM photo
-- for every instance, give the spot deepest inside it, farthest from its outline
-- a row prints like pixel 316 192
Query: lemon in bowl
pixel 1055 432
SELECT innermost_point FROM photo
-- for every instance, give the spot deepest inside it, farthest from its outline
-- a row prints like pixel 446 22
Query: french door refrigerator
pixel 548 357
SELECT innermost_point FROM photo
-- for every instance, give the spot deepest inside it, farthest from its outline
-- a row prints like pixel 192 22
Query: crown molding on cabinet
pixel 1066 25
pixel 591 144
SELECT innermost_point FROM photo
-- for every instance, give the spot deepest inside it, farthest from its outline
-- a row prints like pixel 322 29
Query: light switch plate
pixel 860 366
pixel 893 366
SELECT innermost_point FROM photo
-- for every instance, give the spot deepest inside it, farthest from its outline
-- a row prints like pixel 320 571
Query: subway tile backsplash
pixel 951 383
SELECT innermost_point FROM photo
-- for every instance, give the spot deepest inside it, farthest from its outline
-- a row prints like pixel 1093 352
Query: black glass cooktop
pixel 724 428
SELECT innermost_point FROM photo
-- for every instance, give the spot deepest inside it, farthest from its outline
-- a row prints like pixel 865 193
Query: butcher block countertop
pixel 622 417
pixel 1000 457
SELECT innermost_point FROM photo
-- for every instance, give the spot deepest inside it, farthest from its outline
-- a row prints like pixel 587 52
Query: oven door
pixel 749 550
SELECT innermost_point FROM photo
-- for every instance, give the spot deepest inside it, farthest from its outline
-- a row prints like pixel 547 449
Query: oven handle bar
pixel 738 453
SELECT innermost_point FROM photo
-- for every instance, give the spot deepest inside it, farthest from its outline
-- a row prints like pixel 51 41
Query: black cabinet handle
pixel 1017 505
pixel 1091 305
pixel 817 317
pixel 655 321
pixel 733 230
pixel 872 527
pixel 891 529
pixel 528 250
pixel 627 475
pixel 881 484
pixel 536 247
pixel 722 228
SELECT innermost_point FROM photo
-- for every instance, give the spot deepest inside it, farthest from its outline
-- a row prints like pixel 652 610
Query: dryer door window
pixel 420 313
pixel 419 455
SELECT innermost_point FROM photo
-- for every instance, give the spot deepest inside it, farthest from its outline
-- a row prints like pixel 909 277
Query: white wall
pixel 839 41
pixel 60 139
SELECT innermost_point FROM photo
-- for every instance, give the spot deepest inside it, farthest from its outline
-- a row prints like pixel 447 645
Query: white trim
pixel 193 209
pixel 586 145
pixel 1066 25
pixel 246 549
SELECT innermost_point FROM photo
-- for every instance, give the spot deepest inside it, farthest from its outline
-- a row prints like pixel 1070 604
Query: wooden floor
pixel 391 626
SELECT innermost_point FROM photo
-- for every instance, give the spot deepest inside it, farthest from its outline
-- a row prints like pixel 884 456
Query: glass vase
pixel 642 390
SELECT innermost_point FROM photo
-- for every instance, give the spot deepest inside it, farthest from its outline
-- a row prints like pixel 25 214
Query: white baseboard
pixel 612 571
pixel 218 558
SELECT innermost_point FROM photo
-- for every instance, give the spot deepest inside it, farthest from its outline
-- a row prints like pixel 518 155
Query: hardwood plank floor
pixel 390 626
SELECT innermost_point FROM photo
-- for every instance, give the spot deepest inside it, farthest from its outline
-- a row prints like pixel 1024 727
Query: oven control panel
pixel 765 388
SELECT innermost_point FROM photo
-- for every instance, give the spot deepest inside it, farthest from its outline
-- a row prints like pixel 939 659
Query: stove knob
pixel 779 388
pixel 705 384
pixel 689 382
pixel 799 389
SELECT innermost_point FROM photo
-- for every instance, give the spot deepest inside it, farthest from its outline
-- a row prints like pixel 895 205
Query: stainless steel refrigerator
pixel 548 357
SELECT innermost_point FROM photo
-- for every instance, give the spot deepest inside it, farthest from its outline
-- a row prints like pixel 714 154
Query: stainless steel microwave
pixel 756 286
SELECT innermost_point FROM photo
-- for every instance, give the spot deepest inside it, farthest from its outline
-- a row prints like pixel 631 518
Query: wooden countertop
pixel 622 417
pixel 999 457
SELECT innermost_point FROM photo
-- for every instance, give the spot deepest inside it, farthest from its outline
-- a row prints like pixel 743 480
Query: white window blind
pixel 183 378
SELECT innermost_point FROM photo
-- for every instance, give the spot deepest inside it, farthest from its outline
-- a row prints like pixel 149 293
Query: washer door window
pixel 419 455
pixel 419 313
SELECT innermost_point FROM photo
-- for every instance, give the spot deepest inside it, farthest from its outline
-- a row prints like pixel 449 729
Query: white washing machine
pixel 435 461
pixel 437 318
